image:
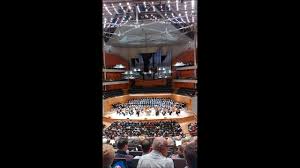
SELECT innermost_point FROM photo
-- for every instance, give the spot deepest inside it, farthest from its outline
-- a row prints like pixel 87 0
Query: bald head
pixel 160 144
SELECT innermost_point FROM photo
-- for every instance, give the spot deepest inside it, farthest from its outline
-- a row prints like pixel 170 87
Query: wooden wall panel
pixel 184 99
pixel 184 85
pixel 151 83
pixel 117 86
pixel 186 73
pixel 113 59
pixel 113 76
pixel 185 57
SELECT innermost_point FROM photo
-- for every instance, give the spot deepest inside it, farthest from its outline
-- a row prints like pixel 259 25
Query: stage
pixel 150 116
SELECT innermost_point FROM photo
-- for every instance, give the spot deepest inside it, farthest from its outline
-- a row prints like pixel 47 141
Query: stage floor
pixel 152 116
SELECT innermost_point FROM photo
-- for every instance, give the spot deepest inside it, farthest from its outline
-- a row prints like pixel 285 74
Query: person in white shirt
pixel 157 157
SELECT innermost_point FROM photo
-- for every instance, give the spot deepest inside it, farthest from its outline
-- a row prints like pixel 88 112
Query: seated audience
pixel 190 155
pixel 179 152
pixel 122 151
pixel 108 155
pixel 193 127
pixel 150 129
pixel 157 157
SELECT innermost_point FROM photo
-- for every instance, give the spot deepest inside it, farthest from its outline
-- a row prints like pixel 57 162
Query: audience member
pixel 122 151
pixel 108 155
pixel 179 152
pixel 190 155
pixel 157 157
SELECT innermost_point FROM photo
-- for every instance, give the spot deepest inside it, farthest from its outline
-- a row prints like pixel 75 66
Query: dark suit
pixel 123 154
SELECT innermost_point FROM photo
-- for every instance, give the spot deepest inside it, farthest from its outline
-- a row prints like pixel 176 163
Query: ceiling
pixel 131 23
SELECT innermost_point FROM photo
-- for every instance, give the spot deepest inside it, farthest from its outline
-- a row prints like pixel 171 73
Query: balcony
pixel 186 68
pixel 185 80
pixel 115 82
pixel 113 70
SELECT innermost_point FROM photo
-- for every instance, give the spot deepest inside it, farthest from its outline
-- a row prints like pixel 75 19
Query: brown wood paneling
pixel 184 85
pixel 117 86
pixel 113 59
pixel 150 83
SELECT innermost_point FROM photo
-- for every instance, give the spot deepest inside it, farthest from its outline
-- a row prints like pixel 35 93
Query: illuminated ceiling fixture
pixel 122 7
pixel 153 6
pixel 114 8
pixel 193 4
pixel 107 9
pixel 138 8
pixel 181 18
pixel 179 64
pixel 119 66
pixel 177 5
pixel 128 5
pixel 187 18
pixel 104 23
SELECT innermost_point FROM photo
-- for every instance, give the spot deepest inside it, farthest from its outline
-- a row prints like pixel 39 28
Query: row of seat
pixel 112 93
pixel 186 91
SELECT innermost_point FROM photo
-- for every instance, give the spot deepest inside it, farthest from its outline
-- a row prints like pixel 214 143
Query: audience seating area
pixel 150 90
pixel 112 93
pixel 151 129
pixel 186 91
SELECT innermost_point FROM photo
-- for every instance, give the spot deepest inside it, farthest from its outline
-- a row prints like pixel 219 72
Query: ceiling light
pixel 114 8
pixel 193 4
pixel 107 10
pixel 177 5
pixel 138 8
pixel 128 5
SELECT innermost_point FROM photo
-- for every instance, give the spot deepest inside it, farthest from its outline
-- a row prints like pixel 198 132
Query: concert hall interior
pixel 149 83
